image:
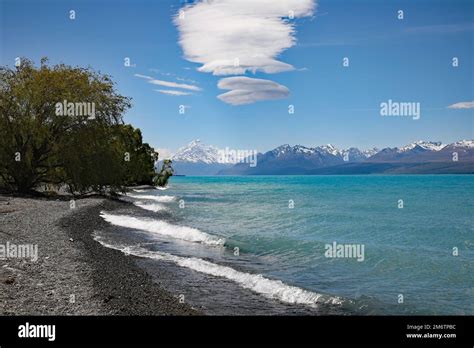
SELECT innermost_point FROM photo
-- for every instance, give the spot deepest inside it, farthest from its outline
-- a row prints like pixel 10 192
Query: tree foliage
pixel 86 152
pixel 165 173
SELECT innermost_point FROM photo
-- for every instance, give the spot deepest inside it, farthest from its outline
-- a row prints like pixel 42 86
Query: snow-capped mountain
pixel 353 154
pixel 286 149
pixel 299 159
pixel 417 157
pixel 196 152
pixel 329 151
pixel 197 158
pixel 425 145
pixel 426 151
pixel 463 144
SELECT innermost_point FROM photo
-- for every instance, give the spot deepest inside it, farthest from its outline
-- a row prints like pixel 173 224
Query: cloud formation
pixel 232 37
pixel 172 92
pixel 462 105
pixel 169 83
pixel 245 90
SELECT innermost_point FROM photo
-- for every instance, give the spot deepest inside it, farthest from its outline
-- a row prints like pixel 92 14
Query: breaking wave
pixel 270 288
pixel 163 228
pixel 162 199
pixel 155 207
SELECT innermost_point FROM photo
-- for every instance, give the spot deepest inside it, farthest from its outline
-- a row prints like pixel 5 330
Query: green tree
pixel 139 157
pixel 161 179
pixel 43 141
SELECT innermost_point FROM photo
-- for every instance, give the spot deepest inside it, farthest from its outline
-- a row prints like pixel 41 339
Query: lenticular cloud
pixel 245 90
pixel 232 37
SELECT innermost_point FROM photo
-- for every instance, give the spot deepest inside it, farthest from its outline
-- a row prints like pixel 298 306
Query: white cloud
pixel 245 90
pixel 182 79
pixel 232 37
pixel 172 92
pixel 168 83
pixel 143 76
pixel 174 85
pixel 462 105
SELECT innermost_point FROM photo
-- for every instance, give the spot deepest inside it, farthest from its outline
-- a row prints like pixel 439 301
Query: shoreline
pixel 74 274
pixel 105 281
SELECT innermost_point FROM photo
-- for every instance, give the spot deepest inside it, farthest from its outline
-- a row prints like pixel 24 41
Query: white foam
pixel 162 228
pixel 273 289
pixel 139 190
pixel 161 188
pixel 163 199
pixel 155 207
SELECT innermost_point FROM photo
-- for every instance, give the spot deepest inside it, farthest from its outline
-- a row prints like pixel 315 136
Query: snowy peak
pixel 370 152
pixel 281 150
pixel 466 144
pixel 330 149
pixel 285 150
pixel 196 152
pixel 326 151
pixel 303 149
pixel 424 145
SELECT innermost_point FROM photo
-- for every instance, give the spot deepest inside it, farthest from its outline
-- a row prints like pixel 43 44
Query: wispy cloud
pixel 174 85
pixel 176 77
pixel 218 34
pixel 143 76
pixel 172 92
pixel 462 105
pixel 169 84
pixel 182 79
pixel 245 90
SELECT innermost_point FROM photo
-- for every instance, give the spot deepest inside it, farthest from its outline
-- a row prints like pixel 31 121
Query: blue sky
pixel 407 60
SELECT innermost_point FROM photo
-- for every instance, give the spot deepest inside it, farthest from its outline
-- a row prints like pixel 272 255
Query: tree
pixel 139 157
pixel 92 160
pixel 61 124
pixel 165 173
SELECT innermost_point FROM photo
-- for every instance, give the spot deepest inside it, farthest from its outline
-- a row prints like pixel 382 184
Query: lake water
pixel 269 236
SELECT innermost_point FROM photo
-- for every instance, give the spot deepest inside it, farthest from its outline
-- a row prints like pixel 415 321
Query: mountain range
pixel 419 157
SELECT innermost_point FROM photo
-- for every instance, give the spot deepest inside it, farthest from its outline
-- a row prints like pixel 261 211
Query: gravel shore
pixel 74 275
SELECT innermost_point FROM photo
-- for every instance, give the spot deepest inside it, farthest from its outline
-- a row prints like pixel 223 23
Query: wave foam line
pixel 162 228
pixel 162 199
pixel 273 289
pixel 155 207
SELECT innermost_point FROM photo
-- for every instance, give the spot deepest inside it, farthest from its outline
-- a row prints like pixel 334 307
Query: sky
pixel 237 67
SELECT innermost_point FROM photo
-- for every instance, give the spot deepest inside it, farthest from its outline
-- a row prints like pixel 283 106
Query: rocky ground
pixel 73 275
